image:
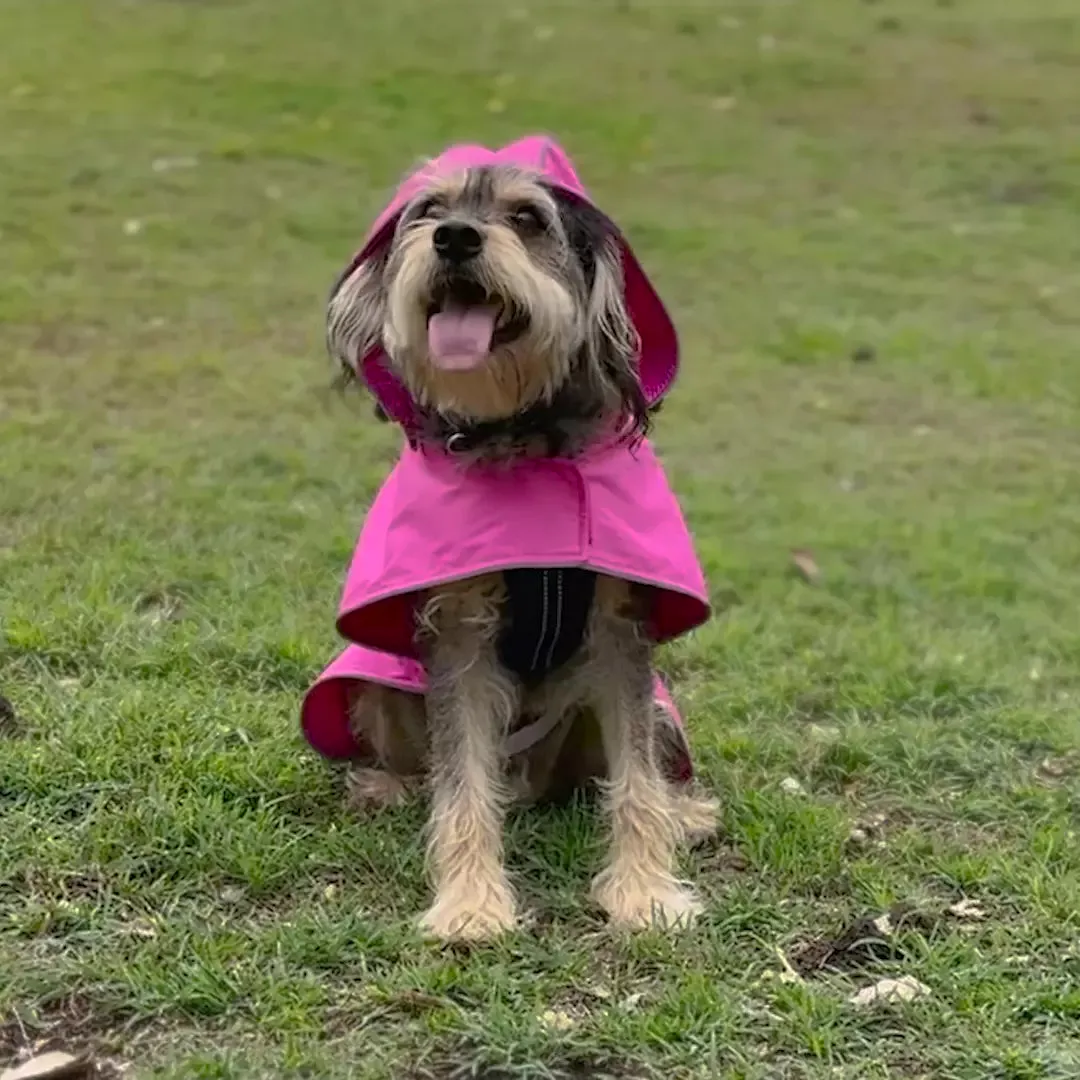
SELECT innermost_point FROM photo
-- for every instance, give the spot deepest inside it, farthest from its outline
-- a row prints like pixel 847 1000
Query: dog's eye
pixel 528 220
pixel 425 209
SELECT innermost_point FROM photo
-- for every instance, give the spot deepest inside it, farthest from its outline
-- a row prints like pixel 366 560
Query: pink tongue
pixel 459 339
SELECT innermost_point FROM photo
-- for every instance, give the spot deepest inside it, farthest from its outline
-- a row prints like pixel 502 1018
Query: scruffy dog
pixel 525 556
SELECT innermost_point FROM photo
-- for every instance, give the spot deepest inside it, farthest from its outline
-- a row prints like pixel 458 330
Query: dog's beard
pixel 483 343
pixel 519 344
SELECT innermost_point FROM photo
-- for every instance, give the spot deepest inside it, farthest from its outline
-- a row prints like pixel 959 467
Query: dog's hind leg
pixel 696 814
pixel 638 887
pixel 471 703
pixel 391 724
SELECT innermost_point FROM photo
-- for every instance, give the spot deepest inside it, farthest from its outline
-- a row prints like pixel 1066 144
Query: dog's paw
pixel 468 913
pixel 637 902
pixel 374 789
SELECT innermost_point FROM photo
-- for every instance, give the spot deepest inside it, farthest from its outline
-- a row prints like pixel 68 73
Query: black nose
pixel 456 242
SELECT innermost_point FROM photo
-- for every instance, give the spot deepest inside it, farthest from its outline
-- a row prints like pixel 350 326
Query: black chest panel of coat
pixel 544 620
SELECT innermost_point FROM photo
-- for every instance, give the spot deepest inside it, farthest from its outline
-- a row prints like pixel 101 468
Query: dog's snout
pixel 457 242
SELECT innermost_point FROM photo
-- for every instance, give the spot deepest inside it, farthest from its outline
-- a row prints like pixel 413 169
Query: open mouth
pixel 465 323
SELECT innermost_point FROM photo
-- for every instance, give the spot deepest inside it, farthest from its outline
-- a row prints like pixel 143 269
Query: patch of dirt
pixel 871 830
pixel 581 1067
pixel 59 663
pixel 161 605
pixel 1052 771
pixel 11 724
pixel 90 885
pixel 869 940
pixel 72 1025
pixel 721 859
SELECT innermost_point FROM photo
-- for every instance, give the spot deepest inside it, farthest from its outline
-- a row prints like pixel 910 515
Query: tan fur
pixel 471 704
pixel 515 375
pixel 567 277
pixel 637 887
pixel 609 727
pixel 386 299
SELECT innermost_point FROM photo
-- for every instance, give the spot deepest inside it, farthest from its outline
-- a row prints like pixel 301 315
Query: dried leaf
pixel 966 909
pixel 51 1066
pixel 890 990
pixel 804 562
pixel 883 924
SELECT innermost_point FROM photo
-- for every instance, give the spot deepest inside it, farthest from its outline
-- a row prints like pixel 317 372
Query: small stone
pixel 886 991
pixel 557 1020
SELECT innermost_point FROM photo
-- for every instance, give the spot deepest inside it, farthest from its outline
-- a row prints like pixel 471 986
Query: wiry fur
pixel 565 377
pixel 471 705
pixel 572 369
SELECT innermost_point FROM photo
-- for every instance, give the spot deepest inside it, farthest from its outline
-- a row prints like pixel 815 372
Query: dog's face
pixel 496 292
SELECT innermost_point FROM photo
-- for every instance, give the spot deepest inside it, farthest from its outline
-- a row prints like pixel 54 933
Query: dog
pixel 526 555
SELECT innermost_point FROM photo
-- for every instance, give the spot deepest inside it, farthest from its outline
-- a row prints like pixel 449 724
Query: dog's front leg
pixel 638 887
pixel 471 702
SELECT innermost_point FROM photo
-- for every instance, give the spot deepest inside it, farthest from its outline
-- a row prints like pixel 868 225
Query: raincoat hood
pixel 658 355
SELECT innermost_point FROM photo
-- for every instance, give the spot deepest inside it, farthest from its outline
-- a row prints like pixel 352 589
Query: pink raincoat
pixel 609 510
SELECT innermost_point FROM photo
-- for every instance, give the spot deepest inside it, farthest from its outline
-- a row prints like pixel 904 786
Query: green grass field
pixel 865 218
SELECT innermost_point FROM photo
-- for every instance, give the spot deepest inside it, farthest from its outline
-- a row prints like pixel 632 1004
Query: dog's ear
pixel 611 344
pixel 355 315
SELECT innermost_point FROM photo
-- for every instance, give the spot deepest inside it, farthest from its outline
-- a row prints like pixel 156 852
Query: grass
pixel 864 217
